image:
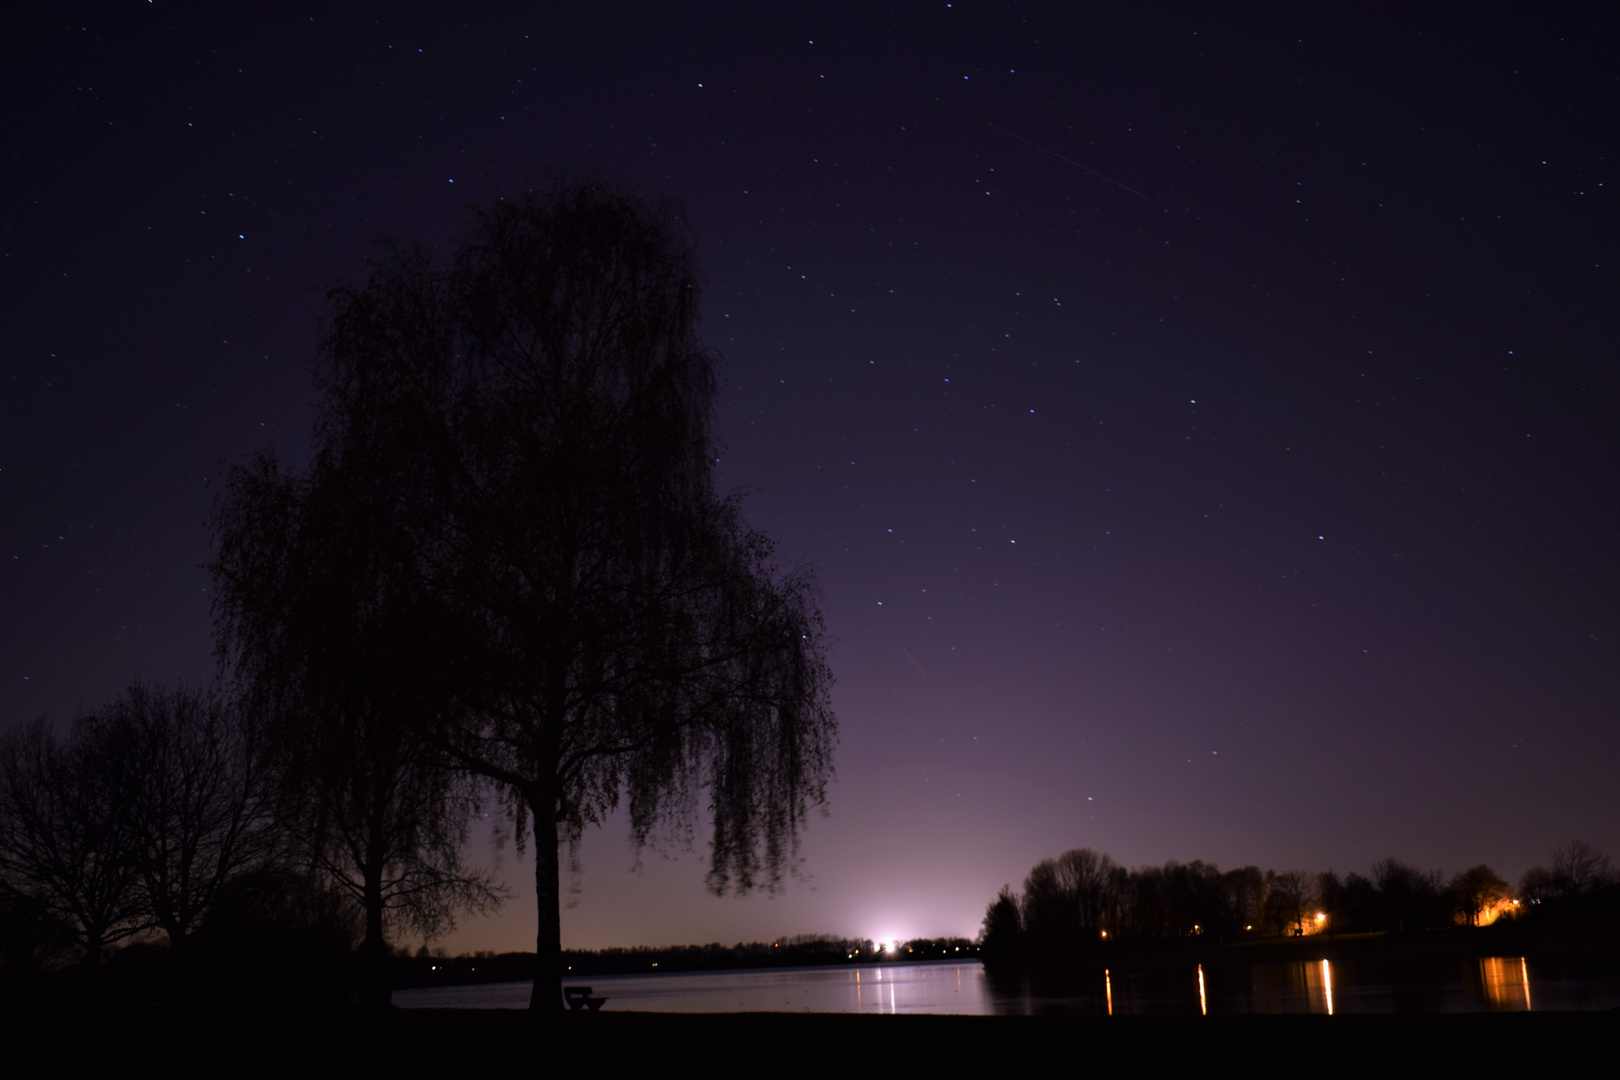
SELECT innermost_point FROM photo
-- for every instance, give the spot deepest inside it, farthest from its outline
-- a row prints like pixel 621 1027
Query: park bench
pixel 579 997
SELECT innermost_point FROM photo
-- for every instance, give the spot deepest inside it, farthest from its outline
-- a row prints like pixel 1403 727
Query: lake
pixel 1499 983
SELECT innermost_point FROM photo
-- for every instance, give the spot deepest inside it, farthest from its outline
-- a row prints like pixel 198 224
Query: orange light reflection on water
pixel 1203 1002
pixel 1506 980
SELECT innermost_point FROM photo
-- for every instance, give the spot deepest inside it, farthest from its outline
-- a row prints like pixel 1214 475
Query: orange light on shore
pixel 1500 908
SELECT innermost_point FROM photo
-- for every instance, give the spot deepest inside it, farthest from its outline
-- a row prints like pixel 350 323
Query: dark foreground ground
pixel 499 1043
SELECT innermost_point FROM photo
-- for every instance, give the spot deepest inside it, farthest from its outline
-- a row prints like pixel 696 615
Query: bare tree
pixel 1287 894
pixel 1245 892
pixel 1539 883
pixel 1330 895
pixel 535 422
pixel 1579 867
pixel 1408 898
pixel 1067 899
pixel 1475 890
pixel 193 788
pixel 67 842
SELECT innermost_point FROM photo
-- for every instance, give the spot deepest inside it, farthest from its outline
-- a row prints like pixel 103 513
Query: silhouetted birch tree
pixel 534 420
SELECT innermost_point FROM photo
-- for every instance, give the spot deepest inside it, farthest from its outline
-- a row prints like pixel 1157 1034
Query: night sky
pixel 1201 421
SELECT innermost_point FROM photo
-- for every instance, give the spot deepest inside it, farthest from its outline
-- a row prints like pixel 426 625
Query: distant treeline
pixel 1082 901
pixel 806 950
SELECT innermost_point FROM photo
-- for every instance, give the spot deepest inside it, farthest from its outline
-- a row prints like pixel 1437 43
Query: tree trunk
pixel 375 991
pixel 179 966
pixel 92 969
pixel 546 998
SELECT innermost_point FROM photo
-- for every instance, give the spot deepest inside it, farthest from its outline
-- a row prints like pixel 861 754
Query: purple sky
pixel 1201 422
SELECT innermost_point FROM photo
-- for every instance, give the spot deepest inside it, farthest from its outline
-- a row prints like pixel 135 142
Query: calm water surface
pixel 1500 983
pixel 887 988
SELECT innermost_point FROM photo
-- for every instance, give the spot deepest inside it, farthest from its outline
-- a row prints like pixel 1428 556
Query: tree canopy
pixel 193 783
pixel 68 845
pixel 525 430
pixel 323 633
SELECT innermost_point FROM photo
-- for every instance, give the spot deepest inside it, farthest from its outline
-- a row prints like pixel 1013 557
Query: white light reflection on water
pixel 1297 987
pixel 890 988
pixel 1150 988
pixel 1318 986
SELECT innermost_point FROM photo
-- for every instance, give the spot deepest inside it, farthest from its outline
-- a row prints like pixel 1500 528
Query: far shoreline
pixel 1425 946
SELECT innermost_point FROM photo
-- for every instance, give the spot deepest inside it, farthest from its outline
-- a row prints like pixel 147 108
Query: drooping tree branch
pixel 533 424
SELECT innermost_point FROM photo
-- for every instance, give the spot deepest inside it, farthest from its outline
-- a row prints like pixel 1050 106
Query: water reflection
pixel 1301 987
pixel 1507 982
pixel 1150 986
pixel 870 989
pixel 939 987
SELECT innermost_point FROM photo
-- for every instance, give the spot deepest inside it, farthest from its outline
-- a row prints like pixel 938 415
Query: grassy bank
pixel 200 1042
